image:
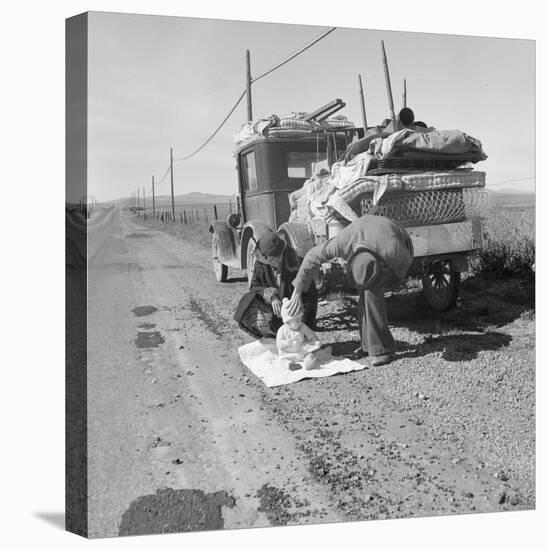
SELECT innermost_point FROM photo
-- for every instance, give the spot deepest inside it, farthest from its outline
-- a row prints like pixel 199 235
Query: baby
pixel 295 341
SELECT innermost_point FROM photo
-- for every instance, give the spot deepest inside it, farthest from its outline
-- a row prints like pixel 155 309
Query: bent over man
pixel 376 250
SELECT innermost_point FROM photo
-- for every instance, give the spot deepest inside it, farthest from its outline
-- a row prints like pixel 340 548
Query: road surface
pixel 182 437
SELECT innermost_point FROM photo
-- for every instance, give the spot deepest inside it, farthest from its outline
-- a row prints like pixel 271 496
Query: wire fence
pixel 188 214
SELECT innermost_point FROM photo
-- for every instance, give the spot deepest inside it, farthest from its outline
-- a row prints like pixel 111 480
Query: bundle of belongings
pixel 288 125
pixel 378 169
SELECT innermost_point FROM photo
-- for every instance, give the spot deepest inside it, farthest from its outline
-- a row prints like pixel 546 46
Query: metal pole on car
pixel 388 83
pixel 362 104
pixel 249 85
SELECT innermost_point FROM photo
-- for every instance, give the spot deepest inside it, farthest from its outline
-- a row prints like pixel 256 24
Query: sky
pixel 156 82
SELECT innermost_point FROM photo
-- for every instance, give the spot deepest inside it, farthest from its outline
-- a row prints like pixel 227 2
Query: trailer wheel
pixel 220 270
pixel 441 286
pixel 250 259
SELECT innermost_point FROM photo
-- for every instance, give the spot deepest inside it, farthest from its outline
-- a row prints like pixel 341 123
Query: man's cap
pixel 363 269
pixel 269 245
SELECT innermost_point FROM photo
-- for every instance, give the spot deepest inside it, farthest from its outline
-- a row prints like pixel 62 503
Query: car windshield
pixel 305 164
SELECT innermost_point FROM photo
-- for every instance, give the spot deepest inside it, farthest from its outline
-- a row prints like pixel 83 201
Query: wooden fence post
pixel 181 216
pixel 185 216
pixel 206 215
pixel 197 216
pixel 215 211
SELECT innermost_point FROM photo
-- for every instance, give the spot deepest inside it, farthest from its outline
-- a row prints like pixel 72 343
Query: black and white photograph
pixel 300 274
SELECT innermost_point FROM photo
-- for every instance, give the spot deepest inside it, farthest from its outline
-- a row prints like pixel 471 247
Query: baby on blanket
pixel 296 342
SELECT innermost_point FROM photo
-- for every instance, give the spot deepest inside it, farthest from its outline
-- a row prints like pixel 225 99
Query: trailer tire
pixel 441 286
pixel 220 270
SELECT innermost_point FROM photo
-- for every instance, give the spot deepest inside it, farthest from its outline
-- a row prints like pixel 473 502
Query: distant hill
pixel 186 199
pixel 514 199
pixel 509 199
pixel 202 198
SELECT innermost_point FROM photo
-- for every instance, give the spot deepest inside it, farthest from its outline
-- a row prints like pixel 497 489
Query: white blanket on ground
pixel 261 357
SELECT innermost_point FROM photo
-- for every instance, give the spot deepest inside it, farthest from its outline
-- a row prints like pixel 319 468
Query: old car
pixel 443 227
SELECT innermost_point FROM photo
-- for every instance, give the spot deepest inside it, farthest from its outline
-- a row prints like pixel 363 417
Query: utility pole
pixel 362 105
pixel 171 179
pixel 144 204
pixel 404 95
pixel 154 212
pixel 388 83
pixel 138 197
pixel 249 86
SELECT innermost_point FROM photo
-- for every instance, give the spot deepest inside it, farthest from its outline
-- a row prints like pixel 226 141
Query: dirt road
pixel 183 437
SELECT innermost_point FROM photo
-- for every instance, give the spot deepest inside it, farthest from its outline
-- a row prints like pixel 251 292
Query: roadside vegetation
pixel 509 246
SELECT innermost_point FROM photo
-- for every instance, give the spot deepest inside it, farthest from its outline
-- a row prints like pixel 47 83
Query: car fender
pixel 227 247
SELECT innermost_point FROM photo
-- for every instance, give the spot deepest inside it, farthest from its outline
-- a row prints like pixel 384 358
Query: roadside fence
pixel 188 214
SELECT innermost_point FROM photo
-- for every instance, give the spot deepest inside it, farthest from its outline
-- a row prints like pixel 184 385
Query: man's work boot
pixel 378 360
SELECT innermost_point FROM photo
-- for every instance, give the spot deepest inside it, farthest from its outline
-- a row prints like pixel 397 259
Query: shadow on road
pixel 459 347
pixel 345 349
pixel 483 304
pixel 237 279
pixel 340 320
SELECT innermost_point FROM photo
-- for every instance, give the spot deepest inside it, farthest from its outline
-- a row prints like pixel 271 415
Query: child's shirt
pixel 295 345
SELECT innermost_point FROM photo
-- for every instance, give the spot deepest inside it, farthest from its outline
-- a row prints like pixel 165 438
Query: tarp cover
pixel 442 141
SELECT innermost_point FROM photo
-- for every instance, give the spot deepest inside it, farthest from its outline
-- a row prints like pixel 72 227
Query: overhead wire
pixel 242 95
pixel 164 176
pixel 215 132
pixel 511 181
pixel 292 56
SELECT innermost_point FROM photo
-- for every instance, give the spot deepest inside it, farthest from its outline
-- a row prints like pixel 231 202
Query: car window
pixel 250 172
pixel 305 164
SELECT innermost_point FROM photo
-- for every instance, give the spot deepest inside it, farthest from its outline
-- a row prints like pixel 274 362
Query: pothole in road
pixel 147 326
pixel 149 339
pixel 141 311
pixel 175 511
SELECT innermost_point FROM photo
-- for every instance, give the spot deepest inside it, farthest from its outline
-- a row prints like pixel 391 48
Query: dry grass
pixel 509 247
